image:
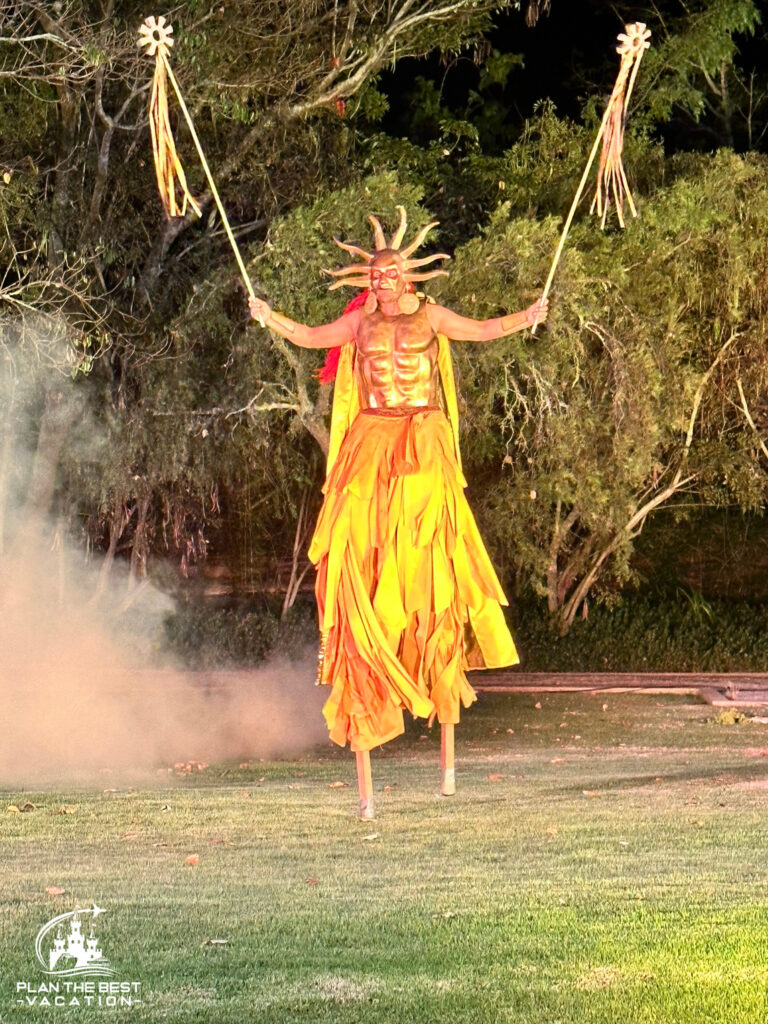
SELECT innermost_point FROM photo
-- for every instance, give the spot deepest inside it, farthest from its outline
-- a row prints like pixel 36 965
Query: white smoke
pixel 86 685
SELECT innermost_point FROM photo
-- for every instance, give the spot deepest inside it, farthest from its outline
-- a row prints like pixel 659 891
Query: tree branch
pixel 748 415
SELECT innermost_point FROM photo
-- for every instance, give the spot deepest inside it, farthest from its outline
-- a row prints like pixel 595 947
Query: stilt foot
pixel 364 785
pixel 366 810
pixel 448 784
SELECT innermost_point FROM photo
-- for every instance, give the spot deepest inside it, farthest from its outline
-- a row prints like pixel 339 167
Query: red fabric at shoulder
pixel 358 300
pixel 327 372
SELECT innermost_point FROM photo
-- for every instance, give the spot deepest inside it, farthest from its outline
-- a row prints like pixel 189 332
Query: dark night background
pixel 566 57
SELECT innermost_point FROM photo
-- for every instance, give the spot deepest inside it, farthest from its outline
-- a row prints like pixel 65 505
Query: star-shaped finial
pixel 156 35
pixel 634 39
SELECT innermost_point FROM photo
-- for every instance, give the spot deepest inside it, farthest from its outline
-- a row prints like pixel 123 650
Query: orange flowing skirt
pixel 404 586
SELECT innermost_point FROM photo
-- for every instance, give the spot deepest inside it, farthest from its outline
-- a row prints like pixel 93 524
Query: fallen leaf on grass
pixel 373 835
pixel 337 785
pixel 557 760
pixel 552 830
pixel 494 777
pixel 186 767
pixel 510 731
pixel 55 890
pixel 193 858
pixel 244 765
pixel 215 841
pixel 590 792
pixel 216 942
pixel 159 844
pixel 387 789
pixel 130 835
pixel 311 881
pixel 537 705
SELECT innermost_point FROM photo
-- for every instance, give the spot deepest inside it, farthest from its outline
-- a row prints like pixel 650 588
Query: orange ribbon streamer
pixel 611 178
pixel 157 36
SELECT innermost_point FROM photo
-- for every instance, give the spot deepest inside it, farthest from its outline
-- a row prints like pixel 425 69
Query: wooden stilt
pixel 364 783
pixel 448 782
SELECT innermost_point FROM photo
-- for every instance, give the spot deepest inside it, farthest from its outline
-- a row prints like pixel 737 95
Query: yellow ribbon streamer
pixel 157 36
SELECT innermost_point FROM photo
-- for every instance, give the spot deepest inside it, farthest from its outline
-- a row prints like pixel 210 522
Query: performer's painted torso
pixel 397 360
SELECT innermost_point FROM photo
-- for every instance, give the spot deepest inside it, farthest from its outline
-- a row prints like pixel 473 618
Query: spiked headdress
pixel 357 275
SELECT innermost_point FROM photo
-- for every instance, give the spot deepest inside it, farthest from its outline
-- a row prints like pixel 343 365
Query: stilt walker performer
pixel 406 593
pixel 407 597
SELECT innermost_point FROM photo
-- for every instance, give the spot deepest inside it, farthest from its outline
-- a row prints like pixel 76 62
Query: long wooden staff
pixel 611 178
pixel 157 35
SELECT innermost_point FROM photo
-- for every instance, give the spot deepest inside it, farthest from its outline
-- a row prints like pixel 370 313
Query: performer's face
pixel 387 279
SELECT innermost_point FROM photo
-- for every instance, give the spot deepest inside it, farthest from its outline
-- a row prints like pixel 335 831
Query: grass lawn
pixel 605 859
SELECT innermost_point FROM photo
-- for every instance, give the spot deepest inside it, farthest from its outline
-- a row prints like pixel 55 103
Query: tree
pixel 88 251
pixel 703 82
pixel 647 388
pixel 182 417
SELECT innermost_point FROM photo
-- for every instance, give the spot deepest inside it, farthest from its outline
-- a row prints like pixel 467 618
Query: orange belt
pixel 401 410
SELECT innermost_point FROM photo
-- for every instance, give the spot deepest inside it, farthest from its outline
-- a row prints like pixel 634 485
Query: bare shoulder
pixel 352 320
pixel 436 313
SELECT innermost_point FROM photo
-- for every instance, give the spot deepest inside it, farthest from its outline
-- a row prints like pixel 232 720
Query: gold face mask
pixel 388 284
pixel 389 268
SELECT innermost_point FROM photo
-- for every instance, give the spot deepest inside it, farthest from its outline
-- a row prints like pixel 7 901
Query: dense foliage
pixel 656 631
pixel 170 429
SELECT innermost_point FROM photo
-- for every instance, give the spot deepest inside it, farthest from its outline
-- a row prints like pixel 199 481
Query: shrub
pixel 205 637
pixel 648 633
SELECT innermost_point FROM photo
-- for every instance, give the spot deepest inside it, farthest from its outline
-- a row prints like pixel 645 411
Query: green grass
pixel 614 871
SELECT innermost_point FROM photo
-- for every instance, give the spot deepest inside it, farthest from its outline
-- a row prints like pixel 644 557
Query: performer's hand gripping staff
pixel 611 186
pixel 156 34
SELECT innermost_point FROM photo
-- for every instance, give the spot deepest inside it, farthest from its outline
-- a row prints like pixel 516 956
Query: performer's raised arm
pixel 324 336
pixel 463 328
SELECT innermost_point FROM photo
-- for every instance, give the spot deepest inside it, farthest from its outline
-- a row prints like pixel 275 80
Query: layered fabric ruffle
pixel 404 584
